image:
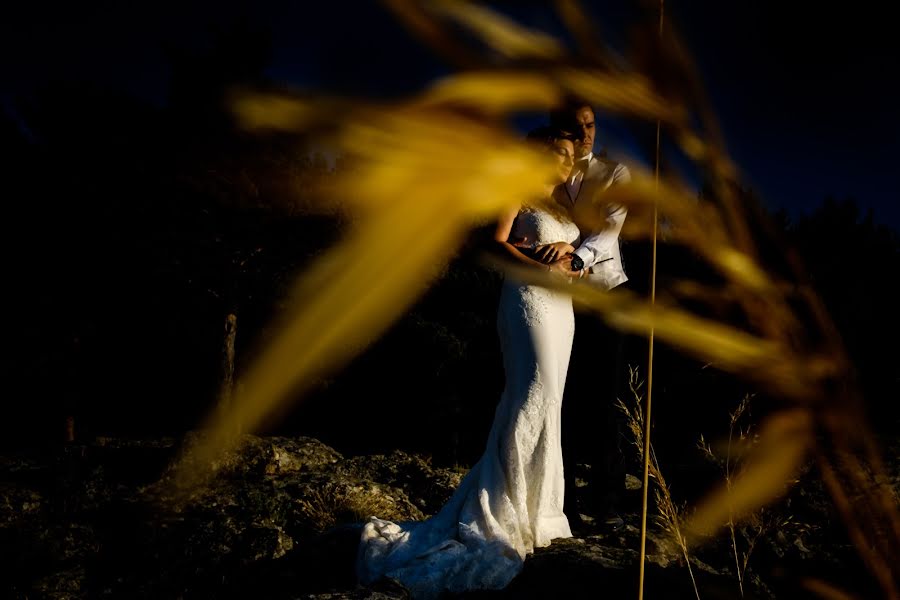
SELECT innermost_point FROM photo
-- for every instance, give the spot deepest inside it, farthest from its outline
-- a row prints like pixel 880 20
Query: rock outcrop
pixel 279 518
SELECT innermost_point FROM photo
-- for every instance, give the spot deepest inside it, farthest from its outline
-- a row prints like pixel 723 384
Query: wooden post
pixel 70 429
pixel 226 392
pixel 71 396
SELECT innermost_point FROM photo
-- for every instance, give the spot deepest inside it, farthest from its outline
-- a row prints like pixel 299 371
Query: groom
pixel 592 430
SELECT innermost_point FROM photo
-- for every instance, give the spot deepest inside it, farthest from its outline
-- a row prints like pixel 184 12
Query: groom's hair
pixel 547 135
pixel 564 116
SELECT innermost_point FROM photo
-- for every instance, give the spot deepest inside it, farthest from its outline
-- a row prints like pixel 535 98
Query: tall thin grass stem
pixel 646 479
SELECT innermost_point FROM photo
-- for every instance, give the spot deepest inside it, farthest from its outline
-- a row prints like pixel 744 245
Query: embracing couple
pixel 512 500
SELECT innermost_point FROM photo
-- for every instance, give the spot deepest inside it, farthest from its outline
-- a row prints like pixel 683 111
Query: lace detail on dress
pixel 511 501
pixel 540 227
pixel 534 303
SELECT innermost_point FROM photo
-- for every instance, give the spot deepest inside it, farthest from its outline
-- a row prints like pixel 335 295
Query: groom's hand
pixel 548 253
pixel 563 266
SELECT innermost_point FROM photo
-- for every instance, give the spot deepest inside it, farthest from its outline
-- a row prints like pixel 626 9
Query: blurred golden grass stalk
pixel 434 165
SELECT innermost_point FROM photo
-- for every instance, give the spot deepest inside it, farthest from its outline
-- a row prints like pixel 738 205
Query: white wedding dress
pixel 511 501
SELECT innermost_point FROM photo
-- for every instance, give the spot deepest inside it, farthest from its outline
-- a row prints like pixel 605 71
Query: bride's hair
pixel 545 137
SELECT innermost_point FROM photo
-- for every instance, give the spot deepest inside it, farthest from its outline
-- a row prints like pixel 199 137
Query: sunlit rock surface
pixel 279 518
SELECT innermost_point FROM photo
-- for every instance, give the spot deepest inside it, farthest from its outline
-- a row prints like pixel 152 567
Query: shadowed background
pixel 138 216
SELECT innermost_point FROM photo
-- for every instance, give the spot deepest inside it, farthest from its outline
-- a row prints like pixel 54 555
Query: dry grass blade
pixel 664 58
pixel 854 473
pixel 585 32
pixel 431 32
pixel 625 93
pixel 273 112
pixel 747 285
pixel 730 461
pixel 350 302
pixel 669 513
pixel 757 358
pixel 784 440
pixel 501 33
pixel 343 302
pixel 826 590
pixel 725 347
pixel 697 226
pixel 495 92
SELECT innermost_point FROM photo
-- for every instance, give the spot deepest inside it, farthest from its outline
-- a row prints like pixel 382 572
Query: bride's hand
pixel 563 266
pixel 549 253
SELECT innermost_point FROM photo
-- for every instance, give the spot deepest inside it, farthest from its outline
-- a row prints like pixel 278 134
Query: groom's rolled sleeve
pixel 598 247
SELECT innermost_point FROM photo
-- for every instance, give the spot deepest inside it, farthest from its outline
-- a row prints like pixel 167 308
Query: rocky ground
pixel 280 519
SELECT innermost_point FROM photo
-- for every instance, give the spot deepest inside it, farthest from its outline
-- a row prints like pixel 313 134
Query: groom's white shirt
pixel 600 250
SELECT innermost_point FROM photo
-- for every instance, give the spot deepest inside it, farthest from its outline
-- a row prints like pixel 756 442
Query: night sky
pixel 806 92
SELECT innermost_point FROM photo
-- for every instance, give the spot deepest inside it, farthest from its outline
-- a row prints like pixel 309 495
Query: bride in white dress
pixel 511 501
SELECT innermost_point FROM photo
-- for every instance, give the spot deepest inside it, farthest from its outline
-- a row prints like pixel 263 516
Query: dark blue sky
pixel 807 94
pixel 806 91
